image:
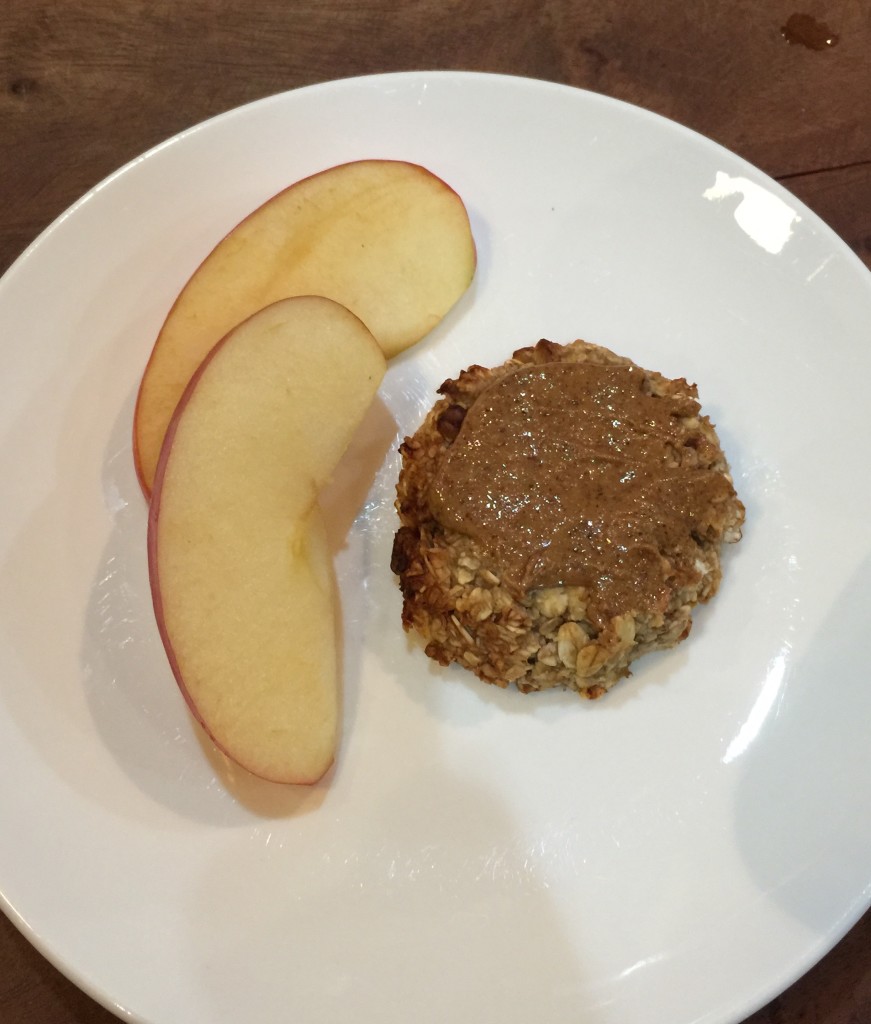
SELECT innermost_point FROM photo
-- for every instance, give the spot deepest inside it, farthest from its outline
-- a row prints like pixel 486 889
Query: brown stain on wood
pixel 807 31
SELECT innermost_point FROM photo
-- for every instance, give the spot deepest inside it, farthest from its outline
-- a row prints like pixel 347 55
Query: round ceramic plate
pixel 676 852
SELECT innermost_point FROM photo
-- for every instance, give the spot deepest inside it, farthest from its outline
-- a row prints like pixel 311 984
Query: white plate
pixel 677 852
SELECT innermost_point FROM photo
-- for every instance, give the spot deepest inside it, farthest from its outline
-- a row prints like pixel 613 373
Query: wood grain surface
pixel 89 84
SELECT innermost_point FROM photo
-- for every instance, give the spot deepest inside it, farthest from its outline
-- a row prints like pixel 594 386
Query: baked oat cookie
pixel 561 515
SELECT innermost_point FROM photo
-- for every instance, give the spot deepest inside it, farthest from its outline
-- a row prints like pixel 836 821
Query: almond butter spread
pixel 577 474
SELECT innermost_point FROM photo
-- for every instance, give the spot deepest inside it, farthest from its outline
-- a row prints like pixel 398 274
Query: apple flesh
pixel 387 239
pixel 240 569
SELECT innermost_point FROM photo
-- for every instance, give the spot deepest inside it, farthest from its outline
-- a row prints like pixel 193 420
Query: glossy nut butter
pixel 585 475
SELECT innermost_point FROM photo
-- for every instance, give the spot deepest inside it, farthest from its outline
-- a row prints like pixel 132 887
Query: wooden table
pixel 89 84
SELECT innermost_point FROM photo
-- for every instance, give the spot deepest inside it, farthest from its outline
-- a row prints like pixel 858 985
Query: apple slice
pixel 240 570
pixel 385 238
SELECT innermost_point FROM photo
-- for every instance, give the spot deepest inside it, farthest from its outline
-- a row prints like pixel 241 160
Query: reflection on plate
pixel 678 851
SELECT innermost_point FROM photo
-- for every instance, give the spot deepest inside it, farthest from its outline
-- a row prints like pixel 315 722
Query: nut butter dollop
pixel 581 474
